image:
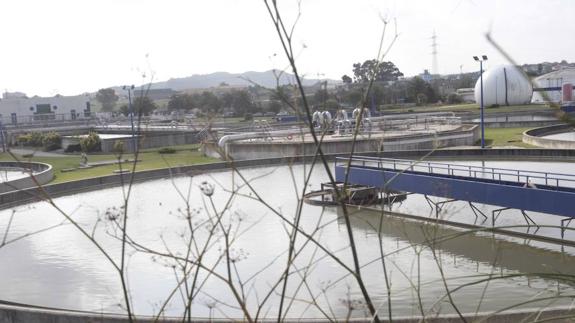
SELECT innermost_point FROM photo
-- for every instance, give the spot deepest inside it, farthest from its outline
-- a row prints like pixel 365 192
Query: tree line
pixel 388 87
pixel 235 102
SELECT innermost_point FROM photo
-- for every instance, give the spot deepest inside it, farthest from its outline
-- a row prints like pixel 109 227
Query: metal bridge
pixel 545 192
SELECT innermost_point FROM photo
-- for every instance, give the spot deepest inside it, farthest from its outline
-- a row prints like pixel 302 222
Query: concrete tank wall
pixel 10 313
pixel 44 174
pixel 534 137
pixel 241 150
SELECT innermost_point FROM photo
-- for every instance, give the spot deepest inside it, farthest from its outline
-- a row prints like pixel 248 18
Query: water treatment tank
pixel 504 85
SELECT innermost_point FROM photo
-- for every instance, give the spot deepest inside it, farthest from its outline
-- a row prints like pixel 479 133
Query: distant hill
pixel 267 79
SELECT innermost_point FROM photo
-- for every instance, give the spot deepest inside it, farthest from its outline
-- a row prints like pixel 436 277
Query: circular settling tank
pixel 222 241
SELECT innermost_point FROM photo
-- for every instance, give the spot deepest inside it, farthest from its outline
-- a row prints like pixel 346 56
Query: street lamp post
pixel 131 112
pixel 2 138
pixel 481 60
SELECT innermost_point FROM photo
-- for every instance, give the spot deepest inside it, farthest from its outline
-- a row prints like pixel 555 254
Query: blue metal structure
pixel 545 192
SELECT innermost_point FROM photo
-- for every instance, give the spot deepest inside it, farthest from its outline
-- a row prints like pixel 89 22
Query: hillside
pixel 266 79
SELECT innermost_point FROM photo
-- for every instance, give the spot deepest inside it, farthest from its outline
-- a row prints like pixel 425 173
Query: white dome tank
pixel 504 85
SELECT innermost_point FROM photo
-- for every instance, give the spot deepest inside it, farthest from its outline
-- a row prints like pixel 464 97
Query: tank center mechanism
pixel 351 194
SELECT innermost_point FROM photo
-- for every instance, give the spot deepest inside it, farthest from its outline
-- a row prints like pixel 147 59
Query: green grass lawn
pixel 506 137
pixel 150 159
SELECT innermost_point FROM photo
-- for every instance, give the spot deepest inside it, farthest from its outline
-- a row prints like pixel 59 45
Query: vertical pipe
pixel 132 119
pixel 482 123
pixel 505 74
pixel 2 137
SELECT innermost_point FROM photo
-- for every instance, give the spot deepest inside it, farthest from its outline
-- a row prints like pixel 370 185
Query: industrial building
pixel 554 86
pixel 467 95
pixel 19 109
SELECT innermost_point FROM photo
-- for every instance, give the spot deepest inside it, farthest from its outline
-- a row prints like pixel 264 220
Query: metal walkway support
pixel 527 191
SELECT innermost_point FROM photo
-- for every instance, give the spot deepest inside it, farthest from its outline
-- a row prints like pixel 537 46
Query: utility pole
pixel 131 112
pixel 481 60
pixel 434 68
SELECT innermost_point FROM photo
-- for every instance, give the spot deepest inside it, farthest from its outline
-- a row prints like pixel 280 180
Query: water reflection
pixel 37 278
pixel 62 268
pixel 488 249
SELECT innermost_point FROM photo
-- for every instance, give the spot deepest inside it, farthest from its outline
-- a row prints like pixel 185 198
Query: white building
pixel 466 94
pixel 16 110
pixel 551 85
pixel 13 95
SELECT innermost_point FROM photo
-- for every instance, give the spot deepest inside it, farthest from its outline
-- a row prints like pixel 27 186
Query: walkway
pixel 544 192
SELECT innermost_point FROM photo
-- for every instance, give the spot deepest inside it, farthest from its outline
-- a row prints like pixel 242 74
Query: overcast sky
pixel 74 46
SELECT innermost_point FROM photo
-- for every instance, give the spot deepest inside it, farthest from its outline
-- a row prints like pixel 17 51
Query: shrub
pixel 73 148
pixel 90 143
pixel 33 139
pixel 453 98
pixel 36 139
pixel 24 139
pixel 118 147
pixel 421 99
pixel 167 150
pixel 51 141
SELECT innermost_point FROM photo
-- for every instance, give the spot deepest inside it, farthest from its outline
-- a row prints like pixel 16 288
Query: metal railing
pixel 415 123
pixel 501 175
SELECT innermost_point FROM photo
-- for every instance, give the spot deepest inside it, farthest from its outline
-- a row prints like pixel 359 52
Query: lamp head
pixel 476 58
pixel 484 57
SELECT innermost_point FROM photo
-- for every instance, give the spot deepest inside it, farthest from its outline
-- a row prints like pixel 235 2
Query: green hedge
pixel 91 143
pixel 51 141
pixel 48 141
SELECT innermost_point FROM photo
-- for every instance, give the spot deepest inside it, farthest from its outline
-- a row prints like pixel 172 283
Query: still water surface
pixel 10 174
pixel 569 136
pixel 62 268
